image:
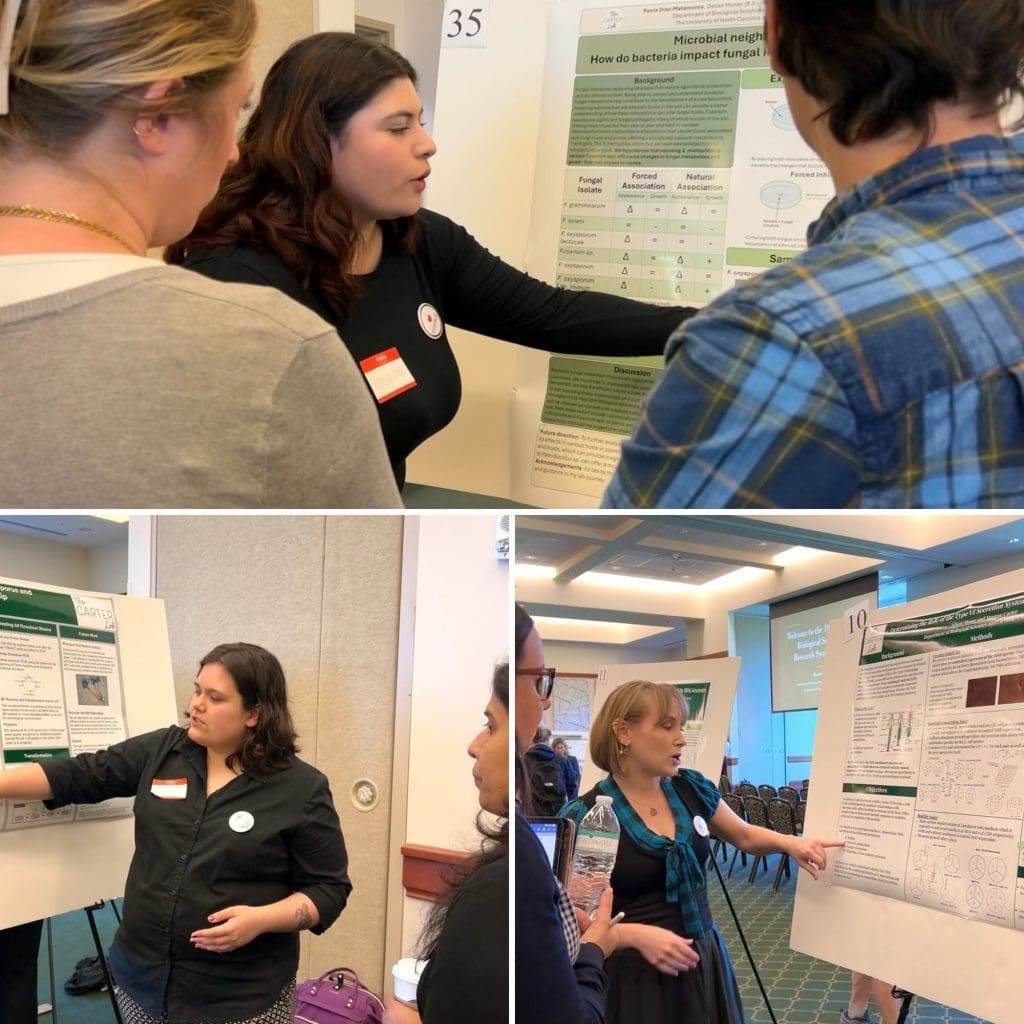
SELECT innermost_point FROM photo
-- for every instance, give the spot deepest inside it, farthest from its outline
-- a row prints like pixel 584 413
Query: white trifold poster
pixel 669 169
pixel 919 768
pixel 78 672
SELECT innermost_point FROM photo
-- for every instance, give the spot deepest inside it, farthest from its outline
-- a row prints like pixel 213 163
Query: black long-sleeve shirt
pixel 466 979
pixel 549 987
pixel 254 841
pixel 451 279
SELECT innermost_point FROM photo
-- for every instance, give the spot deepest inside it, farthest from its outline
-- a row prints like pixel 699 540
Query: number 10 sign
pixel 465 23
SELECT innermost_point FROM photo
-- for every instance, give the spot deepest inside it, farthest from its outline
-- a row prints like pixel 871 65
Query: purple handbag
pixel 337 997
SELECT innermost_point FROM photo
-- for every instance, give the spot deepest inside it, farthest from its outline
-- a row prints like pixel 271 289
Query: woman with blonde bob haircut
pixel 126 382
pixel 671 964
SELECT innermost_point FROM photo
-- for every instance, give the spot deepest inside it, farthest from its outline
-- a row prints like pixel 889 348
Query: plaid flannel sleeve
pixel 744 415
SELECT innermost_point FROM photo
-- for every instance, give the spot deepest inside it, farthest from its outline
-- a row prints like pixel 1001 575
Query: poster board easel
pixel 968 964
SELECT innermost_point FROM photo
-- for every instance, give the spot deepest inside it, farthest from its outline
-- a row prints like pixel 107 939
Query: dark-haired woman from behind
pixel 324 205
pixel 237 849
pixel 465 938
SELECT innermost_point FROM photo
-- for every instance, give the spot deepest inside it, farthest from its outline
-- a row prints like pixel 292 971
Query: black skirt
pixel 707 994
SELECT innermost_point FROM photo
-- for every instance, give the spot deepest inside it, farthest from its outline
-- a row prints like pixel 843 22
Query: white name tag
pixel 170 789
pixel 387 375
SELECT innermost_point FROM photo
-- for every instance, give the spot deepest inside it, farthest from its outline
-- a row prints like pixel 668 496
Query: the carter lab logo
pixel 430 321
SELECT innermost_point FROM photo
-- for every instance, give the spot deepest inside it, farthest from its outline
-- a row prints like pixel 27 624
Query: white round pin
pixel 430 320
pixel 700 826
pixel 241 821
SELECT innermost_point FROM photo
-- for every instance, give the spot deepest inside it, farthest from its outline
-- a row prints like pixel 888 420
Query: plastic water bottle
pixel 597 843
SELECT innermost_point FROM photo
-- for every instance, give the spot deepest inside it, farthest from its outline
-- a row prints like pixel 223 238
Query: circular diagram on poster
pixel 781 195
pixel 782 117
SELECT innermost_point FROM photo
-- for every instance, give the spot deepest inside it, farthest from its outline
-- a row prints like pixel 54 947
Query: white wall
pixel 486 125
pixel 42 561
pixel 461 632
pixel 417 37
pixel 570 658
pixel 108 567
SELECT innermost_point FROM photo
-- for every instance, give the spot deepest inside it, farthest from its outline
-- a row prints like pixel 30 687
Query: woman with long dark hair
pixel 324 205
pixel 237 848
pixel 559 973
pixel 465 936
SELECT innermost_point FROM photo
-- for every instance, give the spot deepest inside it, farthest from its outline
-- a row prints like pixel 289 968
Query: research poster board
pixel 708 688
pixel 669 169
pixel 919 767
pixel 79 671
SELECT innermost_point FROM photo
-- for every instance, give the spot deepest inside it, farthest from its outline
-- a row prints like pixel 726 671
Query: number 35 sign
pixel 465 23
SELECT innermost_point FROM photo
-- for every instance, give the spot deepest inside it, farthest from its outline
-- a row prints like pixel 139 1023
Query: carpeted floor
pixel 802 990
pixel 73 940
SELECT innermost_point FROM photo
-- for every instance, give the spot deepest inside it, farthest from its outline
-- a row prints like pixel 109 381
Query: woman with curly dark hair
pixel 324 205
pixel 238 848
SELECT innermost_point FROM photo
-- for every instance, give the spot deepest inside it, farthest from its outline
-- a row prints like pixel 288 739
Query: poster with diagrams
pixel 78 671
pixel 670 169
pixel 60 690
pixel 932 806
pixel 919 768
pixel 708 690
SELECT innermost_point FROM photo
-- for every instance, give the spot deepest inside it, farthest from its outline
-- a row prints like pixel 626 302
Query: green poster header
pixel 38 754
pixel 28 603
pixel 695 697
pixel 100 636
pixel 998 619
pixel 879 790
pixel 20 626
pixel 701 50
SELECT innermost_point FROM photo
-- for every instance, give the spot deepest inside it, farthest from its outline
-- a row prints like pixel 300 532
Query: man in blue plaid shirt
pixel 883 367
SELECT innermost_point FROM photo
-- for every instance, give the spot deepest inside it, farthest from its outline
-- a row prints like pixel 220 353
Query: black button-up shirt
pixel 192 859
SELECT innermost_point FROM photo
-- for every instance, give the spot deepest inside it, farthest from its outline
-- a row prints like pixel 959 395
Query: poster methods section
pixel 60 690
pixel 932 806
pixel 680 173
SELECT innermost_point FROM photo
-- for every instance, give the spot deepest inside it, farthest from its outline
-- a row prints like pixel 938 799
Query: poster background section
pixel 48 871
pixel 965 964
pixel 723 675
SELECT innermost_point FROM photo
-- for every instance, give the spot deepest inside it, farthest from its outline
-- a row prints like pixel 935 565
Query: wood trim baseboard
pixel 425 869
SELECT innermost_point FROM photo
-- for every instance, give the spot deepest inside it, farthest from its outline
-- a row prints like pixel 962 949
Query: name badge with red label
pixel 170 789
pixel 387 375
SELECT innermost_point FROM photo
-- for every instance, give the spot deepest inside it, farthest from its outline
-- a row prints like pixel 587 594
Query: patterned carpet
pixel 802 990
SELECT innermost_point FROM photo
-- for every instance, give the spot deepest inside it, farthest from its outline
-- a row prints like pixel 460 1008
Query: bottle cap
pixel 606 800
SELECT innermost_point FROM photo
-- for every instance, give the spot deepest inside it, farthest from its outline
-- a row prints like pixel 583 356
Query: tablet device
pixel 557 836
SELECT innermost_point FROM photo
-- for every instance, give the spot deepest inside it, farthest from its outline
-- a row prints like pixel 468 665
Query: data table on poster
pixel 646 234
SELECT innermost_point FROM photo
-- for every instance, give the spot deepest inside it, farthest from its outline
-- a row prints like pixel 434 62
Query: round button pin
pixel 700 826
pixel 430 321
pixel 241 821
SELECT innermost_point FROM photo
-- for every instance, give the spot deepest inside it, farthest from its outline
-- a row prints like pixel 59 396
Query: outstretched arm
pixel 26 783
pixel 809 852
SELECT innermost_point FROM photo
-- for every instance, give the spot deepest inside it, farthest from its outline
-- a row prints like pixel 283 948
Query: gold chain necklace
pixel 62 217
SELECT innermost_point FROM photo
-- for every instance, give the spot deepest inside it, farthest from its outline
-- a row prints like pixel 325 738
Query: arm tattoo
pixel 303 920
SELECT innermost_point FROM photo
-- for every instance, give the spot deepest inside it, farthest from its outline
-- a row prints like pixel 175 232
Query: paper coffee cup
pixel 407 975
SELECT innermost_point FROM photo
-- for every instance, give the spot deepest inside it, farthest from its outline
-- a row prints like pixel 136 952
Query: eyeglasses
pixel 544 680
